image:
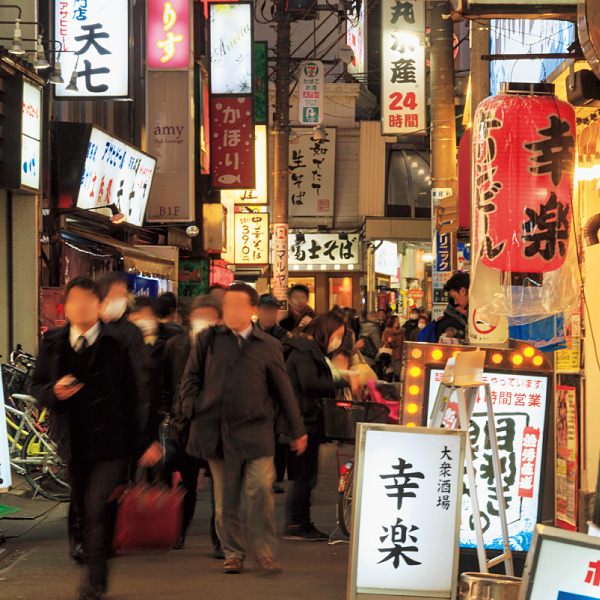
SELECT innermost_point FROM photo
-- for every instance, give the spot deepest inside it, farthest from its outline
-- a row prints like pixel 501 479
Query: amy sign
pixel 95 45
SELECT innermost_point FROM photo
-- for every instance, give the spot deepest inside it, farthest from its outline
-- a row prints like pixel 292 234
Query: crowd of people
pixel 217 387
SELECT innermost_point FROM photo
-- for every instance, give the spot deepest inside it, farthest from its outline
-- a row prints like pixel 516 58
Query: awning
pixel 135 259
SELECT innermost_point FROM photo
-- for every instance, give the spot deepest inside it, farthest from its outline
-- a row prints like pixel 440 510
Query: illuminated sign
pixel 403 80
pixel 355 38
pixel 95 43
pixel 31 156
pixel 116 173
pixel 386 258
pixel 231 48
pixel 519 403
pixel 168 34
pixel 323 249
pixel 408 485
pixel 311 91
pixel 5 474
pixel 251 238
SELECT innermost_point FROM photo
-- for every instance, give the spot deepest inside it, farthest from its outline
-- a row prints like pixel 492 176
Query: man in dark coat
pixel 234 375
pixel 297 306
pixel 268 309
pixel 456 313
pixel 84 374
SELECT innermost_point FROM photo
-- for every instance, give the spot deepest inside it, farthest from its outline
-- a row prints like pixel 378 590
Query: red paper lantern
pixel 524 144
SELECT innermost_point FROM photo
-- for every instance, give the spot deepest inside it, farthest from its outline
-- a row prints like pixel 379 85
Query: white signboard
pixel 5 474
pixel 251 238
pixel 95 43
pixel 323 249
pixel 311 87
pixel 312 174
pixel 116 173
pixel 407 508
pixel 231 48
pixel 519 403
pixel 562 566
pixel 386 258
pixel 355 38
pixel 403 80
pixel 31 159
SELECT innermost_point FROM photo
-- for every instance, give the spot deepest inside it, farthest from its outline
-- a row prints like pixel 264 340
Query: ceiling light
pixel 17 45
pixel 40 62
pixel 72 87
pixel 56 77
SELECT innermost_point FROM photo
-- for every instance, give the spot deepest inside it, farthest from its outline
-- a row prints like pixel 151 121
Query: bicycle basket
pixel 341 417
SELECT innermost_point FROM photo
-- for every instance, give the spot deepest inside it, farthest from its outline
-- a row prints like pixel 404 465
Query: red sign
pixel 168 34
pixel 529 451
pixel 414 297
pixel 232 142
pixel 523 181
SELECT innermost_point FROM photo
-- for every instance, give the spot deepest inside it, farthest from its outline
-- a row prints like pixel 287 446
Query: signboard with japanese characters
pixel 312 174
pixel 116 173
pixel 406 512
pixel 311 87
pixel 168 34
pixel 170 134
pixel 251 238
pixel 5 474
pixel 323 249
pixel 386 258
pixel 355 38
pixel 232 142
pixel 94 39
pixel 281 275
pixel 562 565
pixel 31 163
pixel 231 48
pixel 519 403
pixel 403 80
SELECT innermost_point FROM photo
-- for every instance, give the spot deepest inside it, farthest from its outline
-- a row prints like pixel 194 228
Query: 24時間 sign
pixel 116 173
pixel 403 93
pixel 168 34
pixel 95 41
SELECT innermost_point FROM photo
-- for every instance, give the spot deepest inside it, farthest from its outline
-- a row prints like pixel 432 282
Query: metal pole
pixel 443 125
pixel 281 131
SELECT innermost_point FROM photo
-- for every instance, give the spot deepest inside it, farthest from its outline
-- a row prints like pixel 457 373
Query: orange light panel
pixel 517 359
pixel 412 408
pixel 411 424
pixel 538 361
pixel 529 352
pixel 415 371
pixel 417 353
pixel 437 354
pixel 455 353
pixel 497 358
pixel 413 390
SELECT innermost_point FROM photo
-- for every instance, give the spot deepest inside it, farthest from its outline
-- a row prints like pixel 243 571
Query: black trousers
pixel 305 469
pixel 92 484
pixel 281 459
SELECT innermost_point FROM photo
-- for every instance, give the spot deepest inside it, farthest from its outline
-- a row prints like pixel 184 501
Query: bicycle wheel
pixel 46 471
pixel 345 506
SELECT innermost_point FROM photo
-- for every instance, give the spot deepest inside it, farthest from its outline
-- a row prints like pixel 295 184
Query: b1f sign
pixel 406 512
pixel 168 34
pixel 310 92
pixel 403 80
pixel 94 39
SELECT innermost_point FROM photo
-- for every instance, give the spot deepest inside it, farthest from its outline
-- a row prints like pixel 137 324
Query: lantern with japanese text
pixel 524 145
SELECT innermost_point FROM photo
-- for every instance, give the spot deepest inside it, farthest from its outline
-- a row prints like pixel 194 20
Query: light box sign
pixel 231 48
pixel 251 238
pixel 95 43
pixel 386 258
pixel 168 34
pixel 31 135
pixel 311 87
pixel 519 403
pixel 116 173
pixel 323 249
pixel 5 474
pixel 355 38
pixel 406 512
pixel 403 76
pixel 312 174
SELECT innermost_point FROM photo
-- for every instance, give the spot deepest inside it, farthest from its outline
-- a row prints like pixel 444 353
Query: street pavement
pixel 36 566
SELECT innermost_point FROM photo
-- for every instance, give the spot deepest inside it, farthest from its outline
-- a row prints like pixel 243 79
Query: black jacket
pixel 175 358
pixel 451 318
pixel 276 331
pixel 410 326
pixel 228 391
pixel 312 380
pixel 106 413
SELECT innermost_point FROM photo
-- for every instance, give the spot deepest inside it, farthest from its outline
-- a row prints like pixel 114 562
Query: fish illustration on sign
pixel 229 179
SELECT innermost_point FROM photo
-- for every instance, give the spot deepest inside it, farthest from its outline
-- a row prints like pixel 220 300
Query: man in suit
pixel 84 374
pixel 234 375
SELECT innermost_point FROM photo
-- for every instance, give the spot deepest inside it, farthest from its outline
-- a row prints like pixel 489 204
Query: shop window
pixel 309 282
pixel 340 292
pixel 408 184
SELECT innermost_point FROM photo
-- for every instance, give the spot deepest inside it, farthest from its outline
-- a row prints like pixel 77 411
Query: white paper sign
pixel 386 258
pixel 31 160
pixel 251 238
pixel 5 474
pixel 310 92
pixel 408 498
pixel 95 43
pixel 312 174
pixel 323 249
pixel 403 79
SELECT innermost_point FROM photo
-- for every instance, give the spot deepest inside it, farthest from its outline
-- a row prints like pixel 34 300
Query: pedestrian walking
pixel 167 312
pixel 297 306
pixel 412 323
pixel 234 375
pixel 311 374
pixel 84 374
pixel 393 340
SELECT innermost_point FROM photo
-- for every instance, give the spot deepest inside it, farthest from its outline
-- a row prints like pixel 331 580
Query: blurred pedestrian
pixel 422 322
pixel 233 378
pixel 268 310
pixel 305 319
pixel 412 322
pixel 310 372
pixel 85 376
pixel 166 309
pixel 369 339
pixel 393 339
pixel 217 292
pixel 297 305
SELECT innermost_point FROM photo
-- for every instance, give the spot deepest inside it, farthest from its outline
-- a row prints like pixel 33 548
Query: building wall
pixel 372 170
pixel 4 275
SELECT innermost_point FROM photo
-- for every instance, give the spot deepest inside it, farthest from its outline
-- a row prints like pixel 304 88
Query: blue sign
pixel 142 286
pixel 569 596
pixel 442 253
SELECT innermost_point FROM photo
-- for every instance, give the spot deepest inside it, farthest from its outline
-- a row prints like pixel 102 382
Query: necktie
pixel 240 340
pixel 82 344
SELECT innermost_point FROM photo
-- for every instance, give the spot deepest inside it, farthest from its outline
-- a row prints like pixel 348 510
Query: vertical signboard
pixel 279 285
pixel 312 174
pixel 168 34
pixel 311 87
pixel 31 158
pixel 5 474
pixel 261 83
pixel 403 79
pixel 95 45
pixel 408 486
pixel 251 238
pixel 170 124
pixel 355 38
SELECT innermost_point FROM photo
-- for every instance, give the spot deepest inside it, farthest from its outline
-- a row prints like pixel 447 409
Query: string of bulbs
pixel 587 120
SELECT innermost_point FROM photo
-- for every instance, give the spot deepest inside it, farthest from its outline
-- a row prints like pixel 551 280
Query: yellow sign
pixel 251 238
pixel 568 360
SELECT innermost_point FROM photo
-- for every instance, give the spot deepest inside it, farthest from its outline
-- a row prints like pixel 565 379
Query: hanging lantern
pixel 524 145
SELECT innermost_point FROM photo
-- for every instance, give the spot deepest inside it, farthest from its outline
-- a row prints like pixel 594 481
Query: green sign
pixel 310 114
pixel 261 83
pixel 194 277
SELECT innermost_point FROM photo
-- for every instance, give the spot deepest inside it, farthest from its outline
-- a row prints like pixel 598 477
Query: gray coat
pixel 228 395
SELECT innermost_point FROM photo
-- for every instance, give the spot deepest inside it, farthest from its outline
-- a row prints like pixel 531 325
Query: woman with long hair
pixel 307 353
